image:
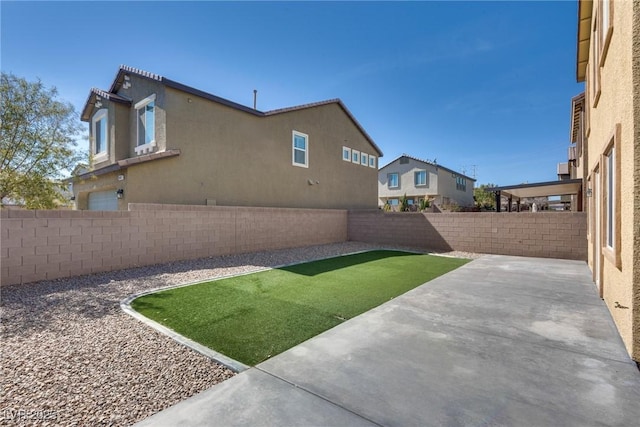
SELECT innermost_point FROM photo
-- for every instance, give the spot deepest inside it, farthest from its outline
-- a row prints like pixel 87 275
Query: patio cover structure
pixel 539 189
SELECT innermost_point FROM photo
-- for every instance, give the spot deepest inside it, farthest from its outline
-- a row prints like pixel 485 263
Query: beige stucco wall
pixel 636 198
pixel 441 183
pixel 616 105
pixel 234 158
pixel 237 159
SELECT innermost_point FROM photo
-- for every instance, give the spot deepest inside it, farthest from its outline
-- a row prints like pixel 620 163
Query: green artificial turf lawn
pixel 253 317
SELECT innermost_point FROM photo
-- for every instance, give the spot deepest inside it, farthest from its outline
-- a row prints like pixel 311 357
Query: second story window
pixel 420 178
pixel 461 183
pixel 346 154
pixel 146 111
pixel 300 149
pixel 372 161
pixel 393 180
pixel 100 131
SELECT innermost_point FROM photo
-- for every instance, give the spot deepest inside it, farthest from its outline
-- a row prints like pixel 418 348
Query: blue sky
pixel 467 83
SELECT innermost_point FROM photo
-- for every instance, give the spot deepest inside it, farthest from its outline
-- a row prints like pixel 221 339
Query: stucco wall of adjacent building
pixel 616 106
pixel 233 158
pixel 635 344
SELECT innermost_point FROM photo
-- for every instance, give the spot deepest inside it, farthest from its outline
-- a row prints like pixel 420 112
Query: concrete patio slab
pixel 500 341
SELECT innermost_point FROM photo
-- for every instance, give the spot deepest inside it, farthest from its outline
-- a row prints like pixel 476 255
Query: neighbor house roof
pixel 432 163
pixel 584 33
pixel 125 70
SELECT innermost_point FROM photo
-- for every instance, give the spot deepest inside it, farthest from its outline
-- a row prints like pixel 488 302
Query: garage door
pixel 103 201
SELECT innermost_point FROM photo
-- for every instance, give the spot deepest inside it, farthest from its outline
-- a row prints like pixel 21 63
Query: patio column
pixel 497 201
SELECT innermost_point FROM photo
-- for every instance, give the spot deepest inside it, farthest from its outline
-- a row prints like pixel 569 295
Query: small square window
pixel 393 180
pixel 300 149
pixel 355 156
pixel 346 154
pixel 420 178
pixel 372 161
pixel 364 159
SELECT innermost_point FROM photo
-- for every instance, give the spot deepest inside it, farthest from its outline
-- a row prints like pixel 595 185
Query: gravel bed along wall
pixel 70 355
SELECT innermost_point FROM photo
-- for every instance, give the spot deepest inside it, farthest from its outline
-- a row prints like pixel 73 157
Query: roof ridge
pixel 303 106
pixel 144 73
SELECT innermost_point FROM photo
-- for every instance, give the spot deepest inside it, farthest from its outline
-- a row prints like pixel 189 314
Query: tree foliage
pixel 37 143
pixel 484 199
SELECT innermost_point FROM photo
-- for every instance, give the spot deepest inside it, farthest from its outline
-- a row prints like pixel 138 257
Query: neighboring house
pixel 420 179
pixel 154 140
pixel 605 125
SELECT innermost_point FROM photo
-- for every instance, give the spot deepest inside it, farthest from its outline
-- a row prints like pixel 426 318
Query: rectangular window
pixel 372 161
pixel 146 119
pixel 346 154
pixel 392 180
pixel 420 178
pixel 355 156
pixel 100 132
pixel 300 149
pixel 610 197
pixel 461 183
pixel 364 159
pixel 393 202
pixel 606 28
pixel 610 211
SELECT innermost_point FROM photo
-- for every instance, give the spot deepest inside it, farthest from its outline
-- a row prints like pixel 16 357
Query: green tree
pixel 37 143
pixel 484 199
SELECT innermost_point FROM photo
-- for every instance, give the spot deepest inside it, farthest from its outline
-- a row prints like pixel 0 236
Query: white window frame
pixel 610 194
pixel 372 161
pixel 415 180
pixel 146 147
pixel 364 159
pixel 346 150
pixel 355 156
pixel 305 151
pixel 102 114
pixel 389 180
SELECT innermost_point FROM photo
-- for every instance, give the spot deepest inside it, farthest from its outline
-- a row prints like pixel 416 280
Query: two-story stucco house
pixel 605 128
pixel 420 179
pixel 154 140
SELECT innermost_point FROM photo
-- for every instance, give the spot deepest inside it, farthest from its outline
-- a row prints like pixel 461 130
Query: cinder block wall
pixel 540 234
pixel 39 245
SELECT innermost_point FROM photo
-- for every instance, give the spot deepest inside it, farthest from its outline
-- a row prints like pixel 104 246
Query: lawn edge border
pixel 220 358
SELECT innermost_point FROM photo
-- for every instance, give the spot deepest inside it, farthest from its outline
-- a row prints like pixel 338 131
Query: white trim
pixel 104 154
pixel 293 149
pixel 610 191
pixel 148 147
pixel 364 159
pixel 355 153
pixel 145 101
pixel 348 150
pixel 372 161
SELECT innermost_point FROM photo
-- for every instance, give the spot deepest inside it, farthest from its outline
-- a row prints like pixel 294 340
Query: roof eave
pixel 577 106
pixel 583 38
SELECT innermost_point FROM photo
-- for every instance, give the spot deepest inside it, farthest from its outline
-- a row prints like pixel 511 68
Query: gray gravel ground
pixel 70 355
